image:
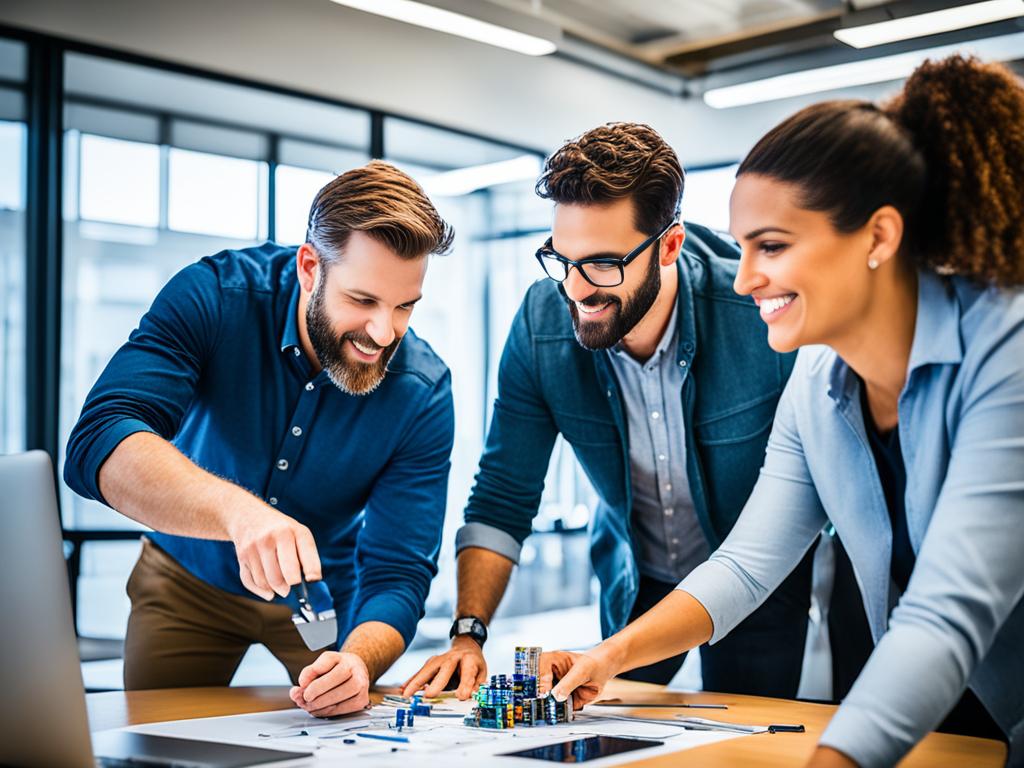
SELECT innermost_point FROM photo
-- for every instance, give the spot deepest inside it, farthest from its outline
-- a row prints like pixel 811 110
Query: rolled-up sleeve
pixel 396 552
pixel 780 521
pixel 968 577
pixel 507 492
pixel 149 383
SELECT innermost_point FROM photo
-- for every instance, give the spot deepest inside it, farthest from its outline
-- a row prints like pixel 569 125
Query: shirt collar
pixel 290 334
pixel 936 333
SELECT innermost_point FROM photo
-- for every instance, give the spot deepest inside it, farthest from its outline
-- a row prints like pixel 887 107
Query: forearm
pixel 482 579
pixel 149 480
pixel 377 644
pixel 676 624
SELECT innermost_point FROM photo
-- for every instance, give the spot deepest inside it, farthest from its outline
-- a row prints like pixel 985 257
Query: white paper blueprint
pixel 430 740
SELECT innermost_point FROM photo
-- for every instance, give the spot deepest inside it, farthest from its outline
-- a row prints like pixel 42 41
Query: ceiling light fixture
pixel 878 70
pixel 540 39
pixel 936 22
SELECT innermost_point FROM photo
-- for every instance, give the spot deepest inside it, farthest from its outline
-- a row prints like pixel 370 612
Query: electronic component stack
pixel 506 703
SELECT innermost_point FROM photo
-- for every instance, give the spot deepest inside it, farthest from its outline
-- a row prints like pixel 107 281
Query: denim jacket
pixel 549 384
pixel 960 622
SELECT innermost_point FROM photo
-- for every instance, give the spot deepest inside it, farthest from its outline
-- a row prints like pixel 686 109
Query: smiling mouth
pixel 776 304
pixel 586 310
pixel 364 350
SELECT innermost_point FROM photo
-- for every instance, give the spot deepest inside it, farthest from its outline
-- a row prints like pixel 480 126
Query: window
pixel 13 149
pixel 296 188
pixel 119 181
pixel 215 195
pixel 706 196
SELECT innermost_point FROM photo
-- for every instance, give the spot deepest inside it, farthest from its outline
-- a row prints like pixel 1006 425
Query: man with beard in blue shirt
pixel 273 416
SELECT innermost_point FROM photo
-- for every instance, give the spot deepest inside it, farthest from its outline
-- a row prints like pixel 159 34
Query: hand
pixel 271 547
pixel 335 684
pixel 582 674
pixel 466 656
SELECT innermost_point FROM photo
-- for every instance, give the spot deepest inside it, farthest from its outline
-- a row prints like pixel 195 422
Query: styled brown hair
pixel 947 152
pixel 614 161
pixel 383 202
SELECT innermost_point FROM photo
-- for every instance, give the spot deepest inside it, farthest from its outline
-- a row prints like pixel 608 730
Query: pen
pixel 785 729
pixel 666 706
pixel 383 737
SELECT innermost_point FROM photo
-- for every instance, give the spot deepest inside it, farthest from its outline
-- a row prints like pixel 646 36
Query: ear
pixel 307 262
pixel 671 242
pixel 886 229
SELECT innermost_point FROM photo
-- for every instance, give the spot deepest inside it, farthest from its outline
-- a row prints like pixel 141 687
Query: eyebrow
pixel 763 230
pixel 365 295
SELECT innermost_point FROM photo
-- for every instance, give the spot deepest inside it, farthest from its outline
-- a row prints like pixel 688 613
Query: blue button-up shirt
pixel 216 367
pixel 960 621
pixel 669 540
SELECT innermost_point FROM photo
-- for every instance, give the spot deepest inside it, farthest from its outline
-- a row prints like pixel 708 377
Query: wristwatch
pixel 472 626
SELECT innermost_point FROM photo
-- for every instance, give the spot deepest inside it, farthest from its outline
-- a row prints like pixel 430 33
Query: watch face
pixel 465 625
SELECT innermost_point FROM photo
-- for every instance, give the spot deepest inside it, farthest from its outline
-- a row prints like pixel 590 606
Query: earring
pixel 872 263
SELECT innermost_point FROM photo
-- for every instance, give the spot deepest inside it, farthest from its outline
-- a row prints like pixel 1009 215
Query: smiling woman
pixel 892 239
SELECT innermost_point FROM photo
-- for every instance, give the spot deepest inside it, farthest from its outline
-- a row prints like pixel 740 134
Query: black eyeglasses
pixel 599 271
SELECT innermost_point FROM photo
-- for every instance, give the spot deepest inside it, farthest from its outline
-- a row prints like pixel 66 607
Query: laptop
pixel 43 719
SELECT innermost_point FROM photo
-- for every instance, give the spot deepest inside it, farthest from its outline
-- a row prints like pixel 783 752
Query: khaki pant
pixel 183 632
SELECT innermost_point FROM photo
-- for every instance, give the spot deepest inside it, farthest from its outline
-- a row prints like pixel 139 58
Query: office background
pixel 136 137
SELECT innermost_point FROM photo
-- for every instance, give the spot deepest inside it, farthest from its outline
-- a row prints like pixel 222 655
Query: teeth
pixel 364 350
pixel 589 310
pixel 768 306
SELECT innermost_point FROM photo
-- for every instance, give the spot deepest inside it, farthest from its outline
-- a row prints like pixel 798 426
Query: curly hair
pixel 383 202
pixel 947 152
pixel 615 161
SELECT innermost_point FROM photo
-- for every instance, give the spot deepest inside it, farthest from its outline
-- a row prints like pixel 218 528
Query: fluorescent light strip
pixel 442 20
pixel 878 70
pixel 462 181
pixel 932 23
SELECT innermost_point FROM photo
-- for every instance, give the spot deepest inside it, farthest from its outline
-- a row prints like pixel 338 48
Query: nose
pixel 575 285
pixel 381 328
pixel 748 277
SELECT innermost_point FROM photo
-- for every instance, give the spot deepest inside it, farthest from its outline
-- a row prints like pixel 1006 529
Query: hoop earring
pixel 873 264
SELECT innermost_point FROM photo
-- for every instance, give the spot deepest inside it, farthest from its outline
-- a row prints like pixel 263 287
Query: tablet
pixel 582 749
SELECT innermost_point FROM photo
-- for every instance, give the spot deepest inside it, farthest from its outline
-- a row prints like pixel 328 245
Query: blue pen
pixel 383 737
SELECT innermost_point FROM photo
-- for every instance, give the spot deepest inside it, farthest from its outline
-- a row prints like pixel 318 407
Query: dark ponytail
pixel 947 152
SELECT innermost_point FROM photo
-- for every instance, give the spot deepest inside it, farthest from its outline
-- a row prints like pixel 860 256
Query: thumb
pixel 572 680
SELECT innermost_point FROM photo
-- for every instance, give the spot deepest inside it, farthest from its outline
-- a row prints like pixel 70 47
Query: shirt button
pixel 682 363
pixel 655 415
pixel 668 486
pixel 282 464
pixel 296 431
pixel 273 501
pixel 297 352
pixel 668 511
pixel 662 457
pixel 309 386
pixel 675 541
pixel 671 555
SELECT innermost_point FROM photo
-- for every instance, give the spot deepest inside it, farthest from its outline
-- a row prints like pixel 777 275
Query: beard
pixel 623 314
pixel 352 376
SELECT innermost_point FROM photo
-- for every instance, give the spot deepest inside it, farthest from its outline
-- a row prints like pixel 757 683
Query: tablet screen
pixel 583 749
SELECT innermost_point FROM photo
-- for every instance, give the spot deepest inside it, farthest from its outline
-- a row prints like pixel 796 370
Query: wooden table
pixel 118 709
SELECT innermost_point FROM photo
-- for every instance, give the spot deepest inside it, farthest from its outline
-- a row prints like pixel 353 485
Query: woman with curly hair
pixel 888 243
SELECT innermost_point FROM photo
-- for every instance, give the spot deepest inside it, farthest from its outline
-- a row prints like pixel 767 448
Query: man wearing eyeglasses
pixel 638 352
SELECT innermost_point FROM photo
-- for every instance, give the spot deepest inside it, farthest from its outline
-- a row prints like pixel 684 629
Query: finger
pixel 572 680
pixel 308 556
pixel 272 570
pixel 441 679
pixel 288 561
pixel 249 582
pixel 469 673
pixel 325 682
pixel 352 705
pixel 295 694
pixel 350 689
pixel 324 663
pixel 416 682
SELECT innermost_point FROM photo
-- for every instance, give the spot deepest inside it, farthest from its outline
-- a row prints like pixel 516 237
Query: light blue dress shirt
pixel 960 621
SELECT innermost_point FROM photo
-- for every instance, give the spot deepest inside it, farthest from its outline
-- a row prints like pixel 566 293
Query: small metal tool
pixel 313 613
